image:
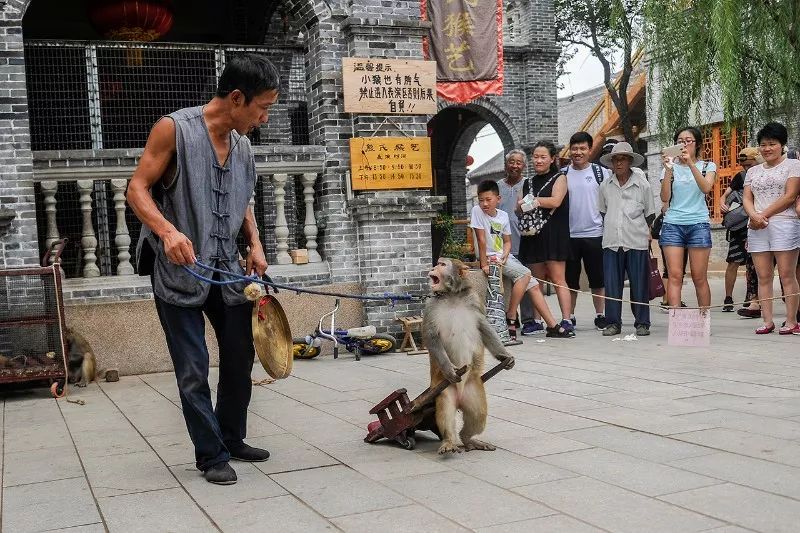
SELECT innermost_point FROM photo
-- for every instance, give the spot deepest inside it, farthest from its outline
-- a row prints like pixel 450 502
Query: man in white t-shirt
pixel 585 223
pixel 493 233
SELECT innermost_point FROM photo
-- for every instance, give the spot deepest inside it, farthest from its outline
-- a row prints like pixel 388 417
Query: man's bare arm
pixel 158 153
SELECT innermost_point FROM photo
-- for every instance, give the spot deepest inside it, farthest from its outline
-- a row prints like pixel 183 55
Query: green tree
pixel 740 55
pixel 604 28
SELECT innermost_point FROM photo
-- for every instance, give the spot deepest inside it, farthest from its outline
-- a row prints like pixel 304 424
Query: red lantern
pixel 131 20
pixel 470 160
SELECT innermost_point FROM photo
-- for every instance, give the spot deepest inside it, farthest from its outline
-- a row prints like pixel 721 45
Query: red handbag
pixel 655 282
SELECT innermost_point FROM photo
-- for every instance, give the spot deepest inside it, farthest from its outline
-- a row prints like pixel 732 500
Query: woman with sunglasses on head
pixel 687 228
pixel 770 193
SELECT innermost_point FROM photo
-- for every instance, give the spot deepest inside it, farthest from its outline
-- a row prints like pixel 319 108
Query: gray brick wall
pixel 394 247
pixel 18 247
pixel 387 245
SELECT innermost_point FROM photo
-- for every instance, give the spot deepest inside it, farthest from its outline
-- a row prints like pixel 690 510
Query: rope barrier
pixel 392 298
pixel 238 278
pixel 648 304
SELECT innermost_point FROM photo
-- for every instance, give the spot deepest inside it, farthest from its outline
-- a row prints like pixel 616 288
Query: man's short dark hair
pixel 608 146
pixel 252 74
pixel 581 137
pixel 775 131
pixel 488 186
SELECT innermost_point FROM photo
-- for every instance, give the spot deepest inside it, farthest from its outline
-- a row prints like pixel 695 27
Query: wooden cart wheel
pixel 57 389
pixel 409 443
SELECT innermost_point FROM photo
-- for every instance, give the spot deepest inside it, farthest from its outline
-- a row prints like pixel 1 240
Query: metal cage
pixel 32 327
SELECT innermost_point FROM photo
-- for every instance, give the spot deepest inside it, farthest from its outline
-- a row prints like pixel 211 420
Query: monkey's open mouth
pixel 434 279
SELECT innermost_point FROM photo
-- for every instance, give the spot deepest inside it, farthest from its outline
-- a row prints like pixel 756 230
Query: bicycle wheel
pixel 378 344
pixel 301 349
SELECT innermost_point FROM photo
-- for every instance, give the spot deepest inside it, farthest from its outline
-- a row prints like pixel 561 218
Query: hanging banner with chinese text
pixel 390 163
pixel 389 86
pixel 466 41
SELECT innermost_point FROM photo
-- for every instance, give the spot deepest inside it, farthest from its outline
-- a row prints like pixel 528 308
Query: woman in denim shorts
pixel 686 181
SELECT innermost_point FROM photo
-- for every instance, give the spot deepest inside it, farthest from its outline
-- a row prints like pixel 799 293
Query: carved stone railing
pixel 96 193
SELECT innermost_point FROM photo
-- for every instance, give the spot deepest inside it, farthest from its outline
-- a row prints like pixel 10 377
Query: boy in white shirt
pixel 493 233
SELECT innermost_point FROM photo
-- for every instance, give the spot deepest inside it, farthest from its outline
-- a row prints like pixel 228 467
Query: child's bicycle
pixel 359 341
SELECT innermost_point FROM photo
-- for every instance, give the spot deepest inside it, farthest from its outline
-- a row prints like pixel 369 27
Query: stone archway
pixel 453 130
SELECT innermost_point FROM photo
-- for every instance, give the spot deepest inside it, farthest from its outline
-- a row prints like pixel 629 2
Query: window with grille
pixel 722 146
pixel 87 95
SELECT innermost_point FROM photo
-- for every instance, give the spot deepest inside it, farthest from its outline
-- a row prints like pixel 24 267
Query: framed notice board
pixel 389 86
pixel 390 163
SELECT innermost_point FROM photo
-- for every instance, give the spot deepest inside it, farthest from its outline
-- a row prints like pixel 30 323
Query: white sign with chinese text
pixel 389 86
pixel 689 327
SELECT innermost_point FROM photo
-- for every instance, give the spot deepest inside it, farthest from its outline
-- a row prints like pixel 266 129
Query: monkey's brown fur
pixel 455 331
pixel 81 362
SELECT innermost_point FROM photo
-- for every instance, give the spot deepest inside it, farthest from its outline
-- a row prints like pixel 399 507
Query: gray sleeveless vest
pixel 207 203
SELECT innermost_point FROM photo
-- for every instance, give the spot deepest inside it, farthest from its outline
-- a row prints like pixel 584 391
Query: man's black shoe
pixel 728 305
pixel 220 474
pixel 249 454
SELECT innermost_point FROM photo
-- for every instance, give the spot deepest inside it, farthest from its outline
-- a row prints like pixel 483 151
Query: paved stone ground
pixel 594 435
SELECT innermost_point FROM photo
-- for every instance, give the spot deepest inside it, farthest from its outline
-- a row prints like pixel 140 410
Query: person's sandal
pixel 558 331
pixel 788 331
pixel 763 330
pixel 749 313
pixel 512 327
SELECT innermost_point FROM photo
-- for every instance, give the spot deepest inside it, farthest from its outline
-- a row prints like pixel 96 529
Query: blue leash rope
pixel 238 278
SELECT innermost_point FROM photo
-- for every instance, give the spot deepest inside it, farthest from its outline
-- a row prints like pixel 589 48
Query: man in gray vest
pixel 191 191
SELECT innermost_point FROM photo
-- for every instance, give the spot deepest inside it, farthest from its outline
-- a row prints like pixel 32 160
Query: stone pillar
pixel 49 189
pixel 393 227
pixel 122 239
pixel 310 225
pixel 329 126
pixel 394 235
pixel 88 238
pixel 540 60
pixel 19 245
pixel 281 227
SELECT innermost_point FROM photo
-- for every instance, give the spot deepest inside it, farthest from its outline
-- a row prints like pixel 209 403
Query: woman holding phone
pixel 770 195
pixel 687 228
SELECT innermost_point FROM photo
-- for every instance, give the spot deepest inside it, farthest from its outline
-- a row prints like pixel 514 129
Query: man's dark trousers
pixel 636 263
pixel 213 431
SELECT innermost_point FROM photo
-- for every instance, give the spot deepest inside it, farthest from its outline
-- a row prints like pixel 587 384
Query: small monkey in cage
pixel 456 331
pixel 81 362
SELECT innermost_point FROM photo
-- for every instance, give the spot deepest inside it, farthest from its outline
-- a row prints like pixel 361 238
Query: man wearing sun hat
pixel 626 203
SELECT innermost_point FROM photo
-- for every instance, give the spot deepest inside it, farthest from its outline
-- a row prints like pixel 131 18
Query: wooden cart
pixel 399 418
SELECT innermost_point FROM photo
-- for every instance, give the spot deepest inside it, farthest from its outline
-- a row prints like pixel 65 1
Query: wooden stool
pixel 409 345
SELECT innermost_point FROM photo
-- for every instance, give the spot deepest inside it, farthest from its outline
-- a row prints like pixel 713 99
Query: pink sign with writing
pixel 689 327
